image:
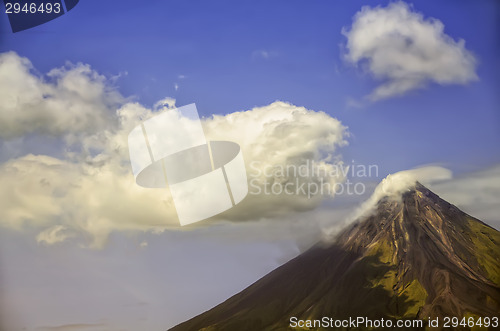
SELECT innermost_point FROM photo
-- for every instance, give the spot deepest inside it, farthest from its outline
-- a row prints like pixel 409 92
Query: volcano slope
pixel 417 256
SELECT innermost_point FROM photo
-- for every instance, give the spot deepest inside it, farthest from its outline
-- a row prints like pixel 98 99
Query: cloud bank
pixel 406 51
pixel 475 193
pixel 85 190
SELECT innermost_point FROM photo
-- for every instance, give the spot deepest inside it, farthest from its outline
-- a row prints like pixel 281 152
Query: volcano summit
pixel 414 257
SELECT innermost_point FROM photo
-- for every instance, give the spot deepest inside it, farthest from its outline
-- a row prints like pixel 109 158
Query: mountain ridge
pixel 414 257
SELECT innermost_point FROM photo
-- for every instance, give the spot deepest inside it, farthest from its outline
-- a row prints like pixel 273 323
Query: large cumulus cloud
pixel 84 188
pixel 277 140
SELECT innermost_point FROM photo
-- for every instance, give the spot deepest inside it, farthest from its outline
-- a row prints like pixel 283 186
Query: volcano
pixel 415 257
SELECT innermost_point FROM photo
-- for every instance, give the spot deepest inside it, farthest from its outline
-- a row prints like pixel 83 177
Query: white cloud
pixel 475 193
pixel 72 99
pixel 393 187
pixel 88 190
pixel 53 235
pixel 91 198
pixel 164 103
pixel 275 137
pixel 396 184
pixel 405 50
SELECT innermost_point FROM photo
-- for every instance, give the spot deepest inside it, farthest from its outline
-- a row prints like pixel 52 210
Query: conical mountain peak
pixel 414 256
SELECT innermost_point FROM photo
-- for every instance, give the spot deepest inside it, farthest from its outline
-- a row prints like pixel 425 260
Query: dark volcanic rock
pixel 417 257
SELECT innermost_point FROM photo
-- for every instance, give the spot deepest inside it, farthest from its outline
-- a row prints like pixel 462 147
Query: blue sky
pixel 225 56
pixel 218 45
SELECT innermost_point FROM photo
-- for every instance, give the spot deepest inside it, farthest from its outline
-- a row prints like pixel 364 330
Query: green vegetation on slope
pixel 410 297
pixel 487 242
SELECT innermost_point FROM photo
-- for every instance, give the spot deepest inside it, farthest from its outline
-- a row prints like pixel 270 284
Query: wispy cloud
pixel 476 193
pixel 263 54
pixel 393 186
pixel 53 235
pixel 176 84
